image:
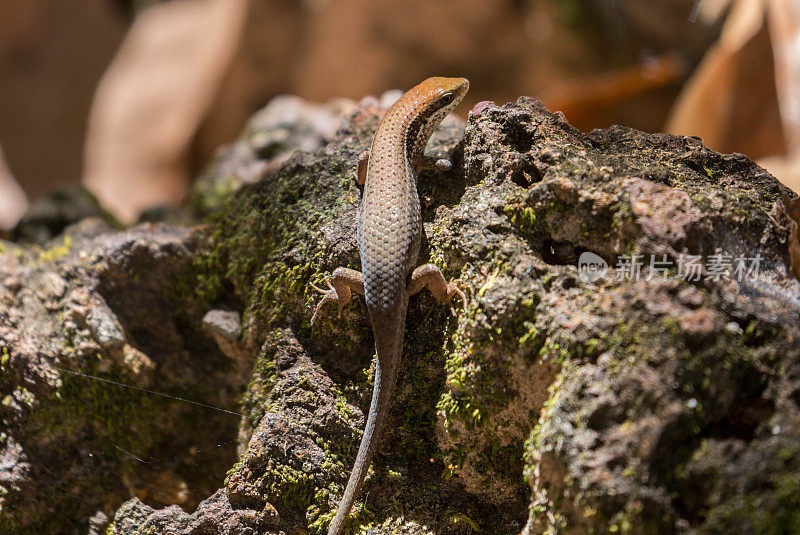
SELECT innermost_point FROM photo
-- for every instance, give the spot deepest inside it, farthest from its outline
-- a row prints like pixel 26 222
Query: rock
pixel 627 403
pixel 225 327
pixel 291 448
pixel 286 124
pixel 582 387
pixel 49 215
pixel 98 523
pixel 105 327
pixel 96 310
pixel 214 515
pixel 139 364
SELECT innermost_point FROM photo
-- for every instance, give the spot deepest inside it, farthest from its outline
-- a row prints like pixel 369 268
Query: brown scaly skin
pixel 389 237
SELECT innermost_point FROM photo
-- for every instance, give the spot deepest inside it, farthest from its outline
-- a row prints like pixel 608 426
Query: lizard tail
pixel 388 345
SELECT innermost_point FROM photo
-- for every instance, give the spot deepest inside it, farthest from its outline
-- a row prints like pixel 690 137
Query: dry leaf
pixel 13 201
pixel 150 102
pixel 731 100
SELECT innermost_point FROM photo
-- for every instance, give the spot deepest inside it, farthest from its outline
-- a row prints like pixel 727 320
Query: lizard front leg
pixel 345 281
pixel 430 276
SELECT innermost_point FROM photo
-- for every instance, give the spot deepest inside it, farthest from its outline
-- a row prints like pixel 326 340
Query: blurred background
pixel 130 98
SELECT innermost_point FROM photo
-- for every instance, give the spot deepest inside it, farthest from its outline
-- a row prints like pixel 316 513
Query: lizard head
pixel 432 100
pixel 444 93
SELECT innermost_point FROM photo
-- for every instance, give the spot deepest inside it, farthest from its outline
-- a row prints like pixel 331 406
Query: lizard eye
pixel 446 99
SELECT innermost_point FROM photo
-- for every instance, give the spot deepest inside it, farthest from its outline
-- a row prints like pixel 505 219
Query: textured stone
pixel 548 404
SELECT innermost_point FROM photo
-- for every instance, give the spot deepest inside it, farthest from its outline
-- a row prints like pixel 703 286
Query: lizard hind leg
pixel 345 281
pixel 430 276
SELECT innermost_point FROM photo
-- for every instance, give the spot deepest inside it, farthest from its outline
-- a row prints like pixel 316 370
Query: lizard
pixel 389 234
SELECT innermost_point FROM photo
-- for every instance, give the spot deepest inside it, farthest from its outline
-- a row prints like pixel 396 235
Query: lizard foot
pixel 453 290
pixel 328 295
pixel 340 290
pixel 430 276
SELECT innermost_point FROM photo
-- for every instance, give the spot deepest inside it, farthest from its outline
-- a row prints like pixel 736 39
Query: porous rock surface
pixel 546 404
pixel 99 301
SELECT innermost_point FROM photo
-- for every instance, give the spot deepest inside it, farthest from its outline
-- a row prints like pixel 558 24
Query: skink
pixel 389 236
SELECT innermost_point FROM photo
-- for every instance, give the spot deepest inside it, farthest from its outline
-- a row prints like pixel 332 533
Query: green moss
pixel 57 251
pixel 535 443
pixel 265 247
pixel 123 416
pixel 289 488
pixel 278 290
pixel 628 520
pixel 12 249
pixel 256 399
pixel 623 215
pixel 211 194
pixel 768 512
pixel 726 357
pixel 109 422
pixel 539 220
pixel 359 519
pixel 461 400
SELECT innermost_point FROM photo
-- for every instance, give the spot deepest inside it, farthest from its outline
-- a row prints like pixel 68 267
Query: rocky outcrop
pixel 554 401
pixel 100 302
